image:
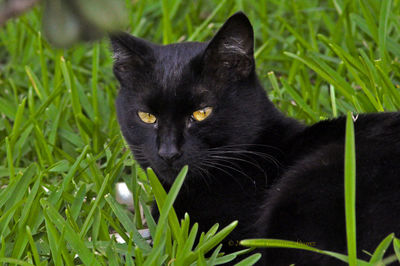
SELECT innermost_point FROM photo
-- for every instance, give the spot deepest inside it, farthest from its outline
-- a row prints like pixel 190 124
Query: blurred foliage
pixel 67 21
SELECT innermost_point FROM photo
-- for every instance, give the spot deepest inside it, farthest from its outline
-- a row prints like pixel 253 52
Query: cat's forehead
pixel 180 99
pixel 175 84
pixel 173 63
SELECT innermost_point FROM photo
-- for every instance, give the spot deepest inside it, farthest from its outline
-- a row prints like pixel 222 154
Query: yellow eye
pixel 202 114
pixel 147 117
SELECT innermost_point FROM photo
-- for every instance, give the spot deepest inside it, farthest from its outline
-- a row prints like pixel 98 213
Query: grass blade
pixel 350 191
pixel 161 197
pixel 71 236
pixel 299 100
pixel 99 197
pixel 381 249
pixel 383 27
pixel 210 243
pixel 250 260
pixel 127 223
pixel 33 246
pixel 396 247
pixel 167 205
pixel 276 243
pixel 200 28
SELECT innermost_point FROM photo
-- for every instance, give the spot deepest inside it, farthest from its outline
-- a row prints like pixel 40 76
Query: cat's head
pixel 187 103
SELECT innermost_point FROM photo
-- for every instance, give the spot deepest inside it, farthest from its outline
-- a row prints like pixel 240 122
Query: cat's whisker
pixel 198 171
pixel 248 153
pixel 250 145
pixel 213 165
pixel 262 155
pixel 219 167
pixel 217 162
pixel 238 159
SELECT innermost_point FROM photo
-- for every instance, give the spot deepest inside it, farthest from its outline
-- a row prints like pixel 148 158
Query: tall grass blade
pixel 350 190
pixel 276 243
pixel 161 196
pixel 167 205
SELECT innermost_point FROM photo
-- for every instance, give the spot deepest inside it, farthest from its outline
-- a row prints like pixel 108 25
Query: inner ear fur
pixel 230 52
pixel 132 55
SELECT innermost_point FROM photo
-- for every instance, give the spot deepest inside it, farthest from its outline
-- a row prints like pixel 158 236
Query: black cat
pixel 201 104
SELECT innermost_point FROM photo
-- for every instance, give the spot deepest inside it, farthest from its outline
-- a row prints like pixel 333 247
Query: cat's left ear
pixel 230 52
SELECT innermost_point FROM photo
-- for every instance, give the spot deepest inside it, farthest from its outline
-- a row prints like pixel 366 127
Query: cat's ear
pixel 230 52
pixel 131 55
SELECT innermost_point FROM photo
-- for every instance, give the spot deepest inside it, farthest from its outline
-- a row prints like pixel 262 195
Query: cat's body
pixel 307 203
pixel 201 104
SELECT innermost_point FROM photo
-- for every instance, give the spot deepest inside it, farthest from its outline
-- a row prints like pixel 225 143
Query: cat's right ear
pixel 131 55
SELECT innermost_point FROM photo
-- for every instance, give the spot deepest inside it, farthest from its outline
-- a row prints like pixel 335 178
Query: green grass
pixel 61 149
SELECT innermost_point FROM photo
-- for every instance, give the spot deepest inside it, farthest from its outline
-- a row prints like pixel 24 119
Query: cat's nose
pixel 169 152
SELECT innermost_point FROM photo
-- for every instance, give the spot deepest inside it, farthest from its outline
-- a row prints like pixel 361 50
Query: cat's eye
pixel 147 117
pixel 202 114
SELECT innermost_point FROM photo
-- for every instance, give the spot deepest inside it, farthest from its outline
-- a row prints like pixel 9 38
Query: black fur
pixel 247 161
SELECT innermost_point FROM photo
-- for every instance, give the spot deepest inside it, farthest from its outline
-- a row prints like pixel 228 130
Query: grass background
pixel 61 150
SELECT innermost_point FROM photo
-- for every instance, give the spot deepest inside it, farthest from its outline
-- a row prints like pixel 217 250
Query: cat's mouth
pixel 166 171
pixel 168 174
